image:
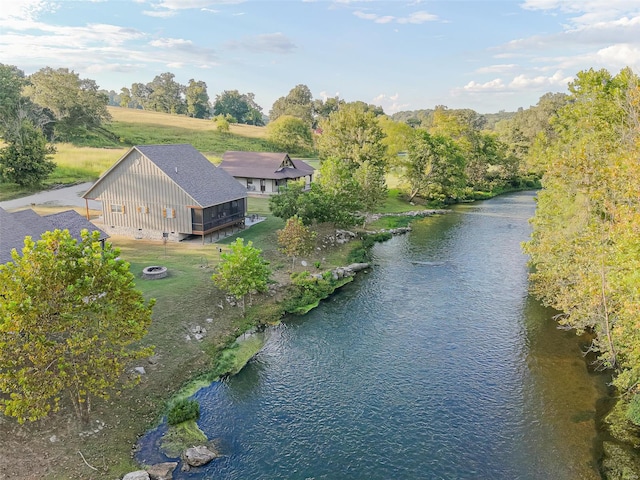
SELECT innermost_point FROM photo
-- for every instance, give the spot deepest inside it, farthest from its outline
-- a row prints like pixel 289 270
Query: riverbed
pixel 435 364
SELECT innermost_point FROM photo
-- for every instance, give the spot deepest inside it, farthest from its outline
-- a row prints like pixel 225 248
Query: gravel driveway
pixel 64 197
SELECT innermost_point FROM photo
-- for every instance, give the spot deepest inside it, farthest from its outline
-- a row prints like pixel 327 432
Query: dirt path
pixel 66 196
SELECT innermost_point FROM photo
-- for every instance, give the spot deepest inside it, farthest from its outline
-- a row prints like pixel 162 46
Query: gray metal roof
pixel 191 171
pixel 15 226
pixel 263 165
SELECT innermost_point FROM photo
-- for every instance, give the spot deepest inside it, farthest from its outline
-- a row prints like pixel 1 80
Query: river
pixel 436 364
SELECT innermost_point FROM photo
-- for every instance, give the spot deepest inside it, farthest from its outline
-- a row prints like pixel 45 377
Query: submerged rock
pixel 198 456
pixel 137 475
pixel 162 471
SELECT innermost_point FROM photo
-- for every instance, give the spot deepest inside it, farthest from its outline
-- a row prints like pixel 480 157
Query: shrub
pixel 183 410
pixel 633 410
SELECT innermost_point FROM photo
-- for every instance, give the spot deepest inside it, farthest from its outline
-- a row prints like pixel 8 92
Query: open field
pixel 137 127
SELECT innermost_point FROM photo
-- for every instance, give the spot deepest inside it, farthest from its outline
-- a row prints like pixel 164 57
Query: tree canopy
pixel 241 107
pixel 70 318
pixel 298 103
pixel 290 134
pixel 584 244
pixel 242 271
pixel 353 135
pixel 75 103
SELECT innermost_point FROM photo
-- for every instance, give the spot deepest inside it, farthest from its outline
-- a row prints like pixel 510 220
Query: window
pixel 143 209
pixel 117 208
pixel 169 212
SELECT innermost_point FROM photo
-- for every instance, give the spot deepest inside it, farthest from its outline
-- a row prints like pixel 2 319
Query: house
pixel 167 192
pixel 14 227
pixel 263 172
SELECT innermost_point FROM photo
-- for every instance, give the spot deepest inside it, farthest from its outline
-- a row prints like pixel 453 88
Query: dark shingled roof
pixel 263 165
pixel 15 226
pixel 192 172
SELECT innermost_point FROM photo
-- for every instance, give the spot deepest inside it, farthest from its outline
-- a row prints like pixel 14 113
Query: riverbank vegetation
pixel 584 248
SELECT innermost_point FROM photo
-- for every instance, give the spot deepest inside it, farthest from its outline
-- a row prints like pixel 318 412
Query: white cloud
pixel 270 42
pixel 500 68
pixel 414 18
pixel 389 103
pixel 25 9
pixel 159 13
pixel 494 85
pixel 188 4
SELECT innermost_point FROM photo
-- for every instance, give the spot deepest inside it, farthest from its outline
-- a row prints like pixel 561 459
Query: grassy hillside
pixel 136 127
pixel 88 157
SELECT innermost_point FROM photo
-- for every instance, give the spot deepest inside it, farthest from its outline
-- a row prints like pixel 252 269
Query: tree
pixel 75 103
pixel 166 95
pixel 241 107
pixel 434 167
pixel 318 204
pixel 290 134
pixel 26 159
pixel 12 81
pixel 296 239
pixel 70 318
pixel 584 240
pixel 222 124
pixel 242 271
pixel 298 103
pixel 353 135
pixel 322 109
pixel 126 100
pixel 197 99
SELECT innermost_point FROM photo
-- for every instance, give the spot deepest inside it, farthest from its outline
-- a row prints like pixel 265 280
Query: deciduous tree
pixel 26 158
pixel 242 271
pixel 290 134
pixel 76 103
pixel 70 316
pixel 296 239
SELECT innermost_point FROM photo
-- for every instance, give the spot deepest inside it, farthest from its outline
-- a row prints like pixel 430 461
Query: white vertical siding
pixel 138 184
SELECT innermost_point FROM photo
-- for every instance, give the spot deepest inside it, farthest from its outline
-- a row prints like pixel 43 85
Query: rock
pixel 209 320
pixel 198 336
pixel 356 267
pixel 200 455
pixel 152 359
pixel 53 439
pixel 140 370
pixel 303 263
pixel 162 471
pixel 137 475
pixel 198 329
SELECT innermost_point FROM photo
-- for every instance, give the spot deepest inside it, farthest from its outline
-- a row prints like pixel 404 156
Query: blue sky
pixel 488 55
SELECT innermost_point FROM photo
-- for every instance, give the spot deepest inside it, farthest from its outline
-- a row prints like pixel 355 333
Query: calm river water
pixel 434 365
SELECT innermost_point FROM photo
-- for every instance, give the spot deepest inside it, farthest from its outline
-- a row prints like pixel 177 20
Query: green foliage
pixel 290 134
pixel 222 124
pixel 297 104
pixel 434 168
pixel 584 244
pixel 352 135
pixel 197 99
pixel 182 410
pixel 242 107
pixel 361 251
pixel 242 271
pixel 25 159
pixel 307 290
pixel 296 239
pixel 79 316
pixel 315 205
pixel 633 410
pixel 76 103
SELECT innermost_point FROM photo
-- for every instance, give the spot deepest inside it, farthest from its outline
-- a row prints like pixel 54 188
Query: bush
pixel 183 410
pixel 633 410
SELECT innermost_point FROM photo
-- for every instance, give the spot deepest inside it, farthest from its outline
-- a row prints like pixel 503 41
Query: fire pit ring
pixel 154 272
